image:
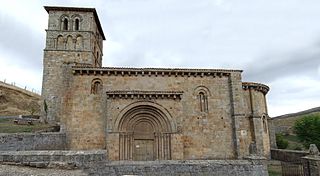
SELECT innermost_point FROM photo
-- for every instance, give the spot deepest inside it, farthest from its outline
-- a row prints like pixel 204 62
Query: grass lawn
pixel 294 142
pixel 8 126
pixel 274 168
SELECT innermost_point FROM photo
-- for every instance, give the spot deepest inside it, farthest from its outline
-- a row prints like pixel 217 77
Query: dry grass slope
pixel 17 101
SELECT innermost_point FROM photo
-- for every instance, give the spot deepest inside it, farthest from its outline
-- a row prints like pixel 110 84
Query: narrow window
pixel 96 87
pixel 96 60
pixel 76 25
pixel 65 24
pixel 203 102
pixel 265 127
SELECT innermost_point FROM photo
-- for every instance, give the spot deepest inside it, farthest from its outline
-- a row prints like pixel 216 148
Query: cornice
pixel 123 71
pixel 255 86
pixel 138 94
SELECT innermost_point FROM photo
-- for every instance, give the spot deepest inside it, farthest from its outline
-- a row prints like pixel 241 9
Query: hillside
pixel 18 101
pixel 284 123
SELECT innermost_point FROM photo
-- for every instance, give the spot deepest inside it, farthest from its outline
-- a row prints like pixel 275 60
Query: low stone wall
pixel 287 155
pixel 32 141
pixel 181 168
pixel 45 158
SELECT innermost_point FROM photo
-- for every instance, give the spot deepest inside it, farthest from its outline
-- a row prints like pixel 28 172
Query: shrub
pixel 308 130
pixel 281 142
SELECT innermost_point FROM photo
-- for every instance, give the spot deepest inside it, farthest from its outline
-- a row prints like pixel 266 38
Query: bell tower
pixel 74 38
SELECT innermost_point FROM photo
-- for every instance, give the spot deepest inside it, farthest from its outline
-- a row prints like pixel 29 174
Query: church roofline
pixel 155 69
pixel 152 71
pixel 78 9
pixel 256 86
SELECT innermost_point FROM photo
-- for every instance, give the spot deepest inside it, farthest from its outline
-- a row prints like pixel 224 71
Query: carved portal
pixel 145 134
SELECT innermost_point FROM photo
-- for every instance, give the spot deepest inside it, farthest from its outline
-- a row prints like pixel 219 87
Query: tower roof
pixel 78 9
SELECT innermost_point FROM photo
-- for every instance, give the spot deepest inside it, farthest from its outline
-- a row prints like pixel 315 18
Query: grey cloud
pixel 274 66
pixel 22 42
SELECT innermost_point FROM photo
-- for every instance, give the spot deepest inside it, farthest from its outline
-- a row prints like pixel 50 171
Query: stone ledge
pixel 32 141
pixel 122 71
pixel 29 158
pixel 255 86
pixel 181 168
pixel 145 94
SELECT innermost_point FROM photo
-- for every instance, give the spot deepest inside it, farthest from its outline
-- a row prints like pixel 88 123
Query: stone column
pixel 258 132
pixel 272 134
pixel 237 109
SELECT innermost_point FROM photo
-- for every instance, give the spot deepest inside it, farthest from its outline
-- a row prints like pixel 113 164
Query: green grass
pixel 292 138
pixel 274 169
pixel 294 142
pixel 7 126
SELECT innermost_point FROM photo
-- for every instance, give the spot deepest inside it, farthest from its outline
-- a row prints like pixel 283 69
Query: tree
pixel 308 130
pixel 281 142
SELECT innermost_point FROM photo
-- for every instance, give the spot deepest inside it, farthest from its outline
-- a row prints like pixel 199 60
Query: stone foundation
pixel 181 168
pixel 95 163
pixel 49 158
pixel 32 141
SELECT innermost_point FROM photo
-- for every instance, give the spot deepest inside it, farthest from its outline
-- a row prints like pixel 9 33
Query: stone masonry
pixel 145 113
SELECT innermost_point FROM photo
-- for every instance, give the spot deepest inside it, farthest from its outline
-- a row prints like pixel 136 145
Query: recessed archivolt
pixel 152 113
pixel 202 89
pixel 145 114
pixel 76 16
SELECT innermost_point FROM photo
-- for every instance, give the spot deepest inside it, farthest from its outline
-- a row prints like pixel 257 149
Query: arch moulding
pixel 161 112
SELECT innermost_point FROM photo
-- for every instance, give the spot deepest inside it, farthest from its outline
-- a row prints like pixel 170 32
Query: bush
pixel 308 130
pixel 281 142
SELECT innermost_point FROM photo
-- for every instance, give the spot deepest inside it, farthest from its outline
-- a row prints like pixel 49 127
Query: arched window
pixel 76 24
pixel 265 125
pixel 65 24
pixel 203 102
pixel 96 86
pixel 202 93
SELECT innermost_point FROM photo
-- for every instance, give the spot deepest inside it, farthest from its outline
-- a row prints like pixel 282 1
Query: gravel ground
pixel 8 170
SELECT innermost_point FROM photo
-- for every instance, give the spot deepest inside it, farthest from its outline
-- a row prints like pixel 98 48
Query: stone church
pixel 145 113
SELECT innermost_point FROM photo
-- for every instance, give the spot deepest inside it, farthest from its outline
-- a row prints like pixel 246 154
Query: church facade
pixel 145 113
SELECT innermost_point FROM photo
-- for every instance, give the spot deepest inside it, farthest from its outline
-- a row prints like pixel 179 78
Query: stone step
pixel 45 158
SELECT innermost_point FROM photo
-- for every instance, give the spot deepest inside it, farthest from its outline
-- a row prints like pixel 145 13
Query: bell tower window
pixel 76 24
pixel 65 24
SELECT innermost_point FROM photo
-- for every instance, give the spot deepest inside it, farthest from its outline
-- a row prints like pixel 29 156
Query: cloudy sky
pixel 275 42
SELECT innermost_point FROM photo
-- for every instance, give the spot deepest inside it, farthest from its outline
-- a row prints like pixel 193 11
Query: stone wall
pixel 204 135
pixel 32 141
pixel 287 155
pixel 181 168
pixel 44 158
pixel 257 114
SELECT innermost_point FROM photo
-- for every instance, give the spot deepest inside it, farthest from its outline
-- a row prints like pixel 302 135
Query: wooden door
pixel 143 150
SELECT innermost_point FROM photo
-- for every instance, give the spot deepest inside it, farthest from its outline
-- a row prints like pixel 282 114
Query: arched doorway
pixel 145 134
